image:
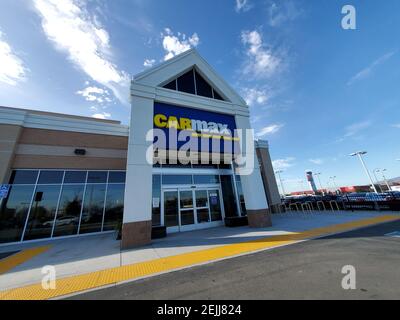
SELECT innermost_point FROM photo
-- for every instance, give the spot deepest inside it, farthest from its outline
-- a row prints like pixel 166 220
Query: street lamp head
pixel 357 153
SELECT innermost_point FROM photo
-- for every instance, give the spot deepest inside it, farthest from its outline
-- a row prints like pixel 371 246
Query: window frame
pixel 63 184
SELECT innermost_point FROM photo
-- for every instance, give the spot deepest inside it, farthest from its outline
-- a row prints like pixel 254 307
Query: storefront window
pixel 50 177
pixel 43 210
pixel 97 177
pixel 93 206
pixel 114 206
pixel 24 177
pixel 75 177
pixel 13 213
pixel 177 179
pixel 116 177
pixel 69 210
pixel 206 179
pixel 53 203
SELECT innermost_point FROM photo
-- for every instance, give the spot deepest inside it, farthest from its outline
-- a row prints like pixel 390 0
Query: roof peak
pixel 170 68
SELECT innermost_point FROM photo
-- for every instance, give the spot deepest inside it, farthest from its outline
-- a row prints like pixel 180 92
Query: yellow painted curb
pixel 111 276
pixel 16 259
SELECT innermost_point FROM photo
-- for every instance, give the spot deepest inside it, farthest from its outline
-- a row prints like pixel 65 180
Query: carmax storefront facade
pixel 183 165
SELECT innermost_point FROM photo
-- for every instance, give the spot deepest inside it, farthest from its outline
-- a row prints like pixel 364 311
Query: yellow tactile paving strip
pixel 18 258
pixel 111 276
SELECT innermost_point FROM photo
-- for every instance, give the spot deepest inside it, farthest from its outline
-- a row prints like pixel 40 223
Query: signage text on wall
pixel 207 131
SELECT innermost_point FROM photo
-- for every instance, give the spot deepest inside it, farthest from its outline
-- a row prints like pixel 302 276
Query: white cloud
pixel 366 72
pixel 95 94
pixel 149 62
pixel 282 12
pixel 285 163
pixel 254 96
pixel 176 44
pixel 74 31
pixel 242 5
pixel 102 115
pixel 317 161
pixel 271 129
pixel 261 62
pixel 355 128
pixel 396 126
pixel 12 68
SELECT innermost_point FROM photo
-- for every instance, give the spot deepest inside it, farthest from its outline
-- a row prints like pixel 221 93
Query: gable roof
pixel 172 68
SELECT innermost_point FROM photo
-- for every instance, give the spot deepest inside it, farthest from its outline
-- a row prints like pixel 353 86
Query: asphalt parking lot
pixel 306 270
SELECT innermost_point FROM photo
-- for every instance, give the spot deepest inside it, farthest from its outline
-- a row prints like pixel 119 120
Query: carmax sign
pixel 200 123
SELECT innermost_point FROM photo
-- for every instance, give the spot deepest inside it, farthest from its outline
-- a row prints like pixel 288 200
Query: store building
pixel 66 175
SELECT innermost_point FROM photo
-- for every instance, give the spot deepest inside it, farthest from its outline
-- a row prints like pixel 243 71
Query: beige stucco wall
pixel 9 135
pixel 69 138
pixel 32 148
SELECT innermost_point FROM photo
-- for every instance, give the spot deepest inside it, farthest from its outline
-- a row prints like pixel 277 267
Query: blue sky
pixel 317 92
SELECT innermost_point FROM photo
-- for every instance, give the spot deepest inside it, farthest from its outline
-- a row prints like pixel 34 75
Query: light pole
pixel 359 154
pixel 334 183
pixel 377 181
pixel 319 180
pixel 384 178
pixel 278 172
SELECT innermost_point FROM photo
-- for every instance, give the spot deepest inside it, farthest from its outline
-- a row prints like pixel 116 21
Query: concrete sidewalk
pixel 88 254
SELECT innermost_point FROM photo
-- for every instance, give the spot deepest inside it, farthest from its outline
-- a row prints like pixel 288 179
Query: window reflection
pixel 69 210
pixel 50 177
pixel 13 213
pixel 206 179
pixel 41 216
pixel 177 179
pixel 93 205
pixel 75 177
pixel 215 205
pixel 114 206
pixel 24 176
pixel 97 177
pixel 52 203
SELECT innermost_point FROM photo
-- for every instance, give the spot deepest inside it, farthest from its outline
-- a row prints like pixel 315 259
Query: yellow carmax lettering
pixel 185 123
pixel 160 121
pixel 173 123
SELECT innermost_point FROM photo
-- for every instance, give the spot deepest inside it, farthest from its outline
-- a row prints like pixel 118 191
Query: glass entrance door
pixel 189 209
pixel 186 210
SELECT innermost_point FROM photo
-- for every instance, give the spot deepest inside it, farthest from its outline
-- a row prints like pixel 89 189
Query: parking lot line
pixel 18 258
pixel 79 283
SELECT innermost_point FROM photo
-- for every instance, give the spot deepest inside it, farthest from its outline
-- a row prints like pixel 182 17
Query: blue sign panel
pixel 206 131
pixel 4 188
